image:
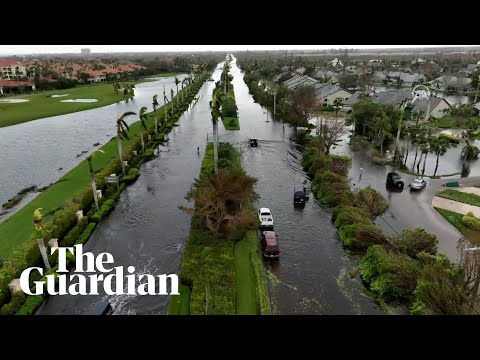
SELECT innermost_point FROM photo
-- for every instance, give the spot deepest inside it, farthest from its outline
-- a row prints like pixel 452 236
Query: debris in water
pixel 96 144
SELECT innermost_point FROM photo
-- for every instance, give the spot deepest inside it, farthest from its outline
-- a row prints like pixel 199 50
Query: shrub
pixel 332 189
pixel 452 138
pixel 84 198
pixel 392 276
pixel 15 303
pixel 105 209
pixel 348 215
pixel 64 220
pixel 74 233
pixel 86 234
pixel 471 221
pixel 439 290
pixel 131 176
pixel 361 235
pixel 31 305
pixel 414 242
pixel 229 108
pixel 340 164
pixel 374 201
pixel 237 234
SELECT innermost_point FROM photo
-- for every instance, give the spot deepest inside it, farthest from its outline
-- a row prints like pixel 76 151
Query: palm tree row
pixel 40 231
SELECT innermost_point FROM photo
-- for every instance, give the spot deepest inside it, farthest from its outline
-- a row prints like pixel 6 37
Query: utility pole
pixel 274 101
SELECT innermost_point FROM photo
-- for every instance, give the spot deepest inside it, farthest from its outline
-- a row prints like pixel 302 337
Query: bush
pixel 332 189
pixel 106 208
pixel 31 305
pixel 392 276
pixel 64 220
pixel 86 234
pixel 439 290
pixel 452 138
pixel 471 221
pixel 414 242
pixel 374 202
pixel 361 235
pixel 340 164
pixel 229 108
pixel 348 215
pixel 237 234
pixel 74 233
pixel 15 303
pixel 131 176
pixel 84 198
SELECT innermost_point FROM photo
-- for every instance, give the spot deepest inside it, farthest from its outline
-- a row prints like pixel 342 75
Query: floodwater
pixel 452 99
pixel 39 152
pixel 148 231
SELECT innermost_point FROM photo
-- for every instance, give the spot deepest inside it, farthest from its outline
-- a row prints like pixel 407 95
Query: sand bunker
pixel 12 101
pixel 80 100
pixel 59 95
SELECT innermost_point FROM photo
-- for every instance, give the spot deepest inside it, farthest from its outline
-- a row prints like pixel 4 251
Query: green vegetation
pixel 180 305
pixel 452 138
pixel 42 104
pixel 456 220
pixel 460 196
pixel 229 107
pixel 222 265
pixel 470 221
pixel 400 269
pixel 60 203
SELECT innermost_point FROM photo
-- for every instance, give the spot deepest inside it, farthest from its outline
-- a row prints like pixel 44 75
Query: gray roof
pixel 300 81
pixel 326 90
pixel 422 104
pixel 394 97
pixel 412 78
pixel 352 100
pixel 276 78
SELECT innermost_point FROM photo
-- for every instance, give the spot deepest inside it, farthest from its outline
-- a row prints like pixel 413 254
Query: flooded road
pixel 148 231
pixel 39 152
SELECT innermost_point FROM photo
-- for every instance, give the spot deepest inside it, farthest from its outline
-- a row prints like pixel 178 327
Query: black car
pixel 253 143
pixel 394 180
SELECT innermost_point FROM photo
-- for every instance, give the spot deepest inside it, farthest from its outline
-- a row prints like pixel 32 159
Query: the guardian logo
pixel 87 263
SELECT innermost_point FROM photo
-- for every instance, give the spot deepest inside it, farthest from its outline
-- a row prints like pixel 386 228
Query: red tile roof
pixel 6 62
pixel 10 83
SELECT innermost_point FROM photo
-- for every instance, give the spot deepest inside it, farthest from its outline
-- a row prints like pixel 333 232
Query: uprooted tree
pixel 219 198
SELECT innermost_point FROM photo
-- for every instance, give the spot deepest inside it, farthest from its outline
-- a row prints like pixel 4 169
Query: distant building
pixel 12 69
pixel 85 51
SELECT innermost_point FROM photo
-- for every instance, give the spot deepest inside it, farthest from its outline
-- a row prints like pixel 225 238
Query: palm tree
pixel 143 116
pixel 407 132
pixel 165 102
pixel 39 231
pixel 420 133
pixel 131 89
pixel 215 105
pixel 439 146
pixel 122 134
pixel 176 84
pixel 116 87
pixel 336 104
pixel 172 94
pixel 92 176
pixel 425 150
pixel 155 105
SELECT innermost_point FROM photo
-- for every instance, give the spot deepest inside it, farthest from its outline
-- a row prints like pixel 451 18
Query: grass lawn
pixel 245 282
pixel 463 197
pixel 231 123
pixel 449 122
pixel 42 105
pixel 180 304
pixel 18 227
pixel 456 220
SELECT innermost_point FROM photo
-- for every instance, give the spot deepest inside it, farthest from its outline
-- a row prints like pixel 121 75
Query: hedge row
pixel 399 269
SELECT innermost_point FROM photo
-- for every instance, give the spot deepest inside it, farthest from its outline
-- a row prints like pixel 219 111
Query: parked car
pixel 418 184
pixel 266 218
pixel 394 180
pixel 270 248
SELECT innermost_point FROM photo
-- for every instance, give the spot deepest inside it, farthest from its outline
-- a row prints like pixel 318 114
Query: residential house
pixel 326 75
pixel 412 79
pixel 96 76
pixel 297 81
pixel 393 97
pixel 443 82
pixel 438 107
pixel 352 100
pixel 300 70
pixel 12 69
pixel 379 77
pixel 327 93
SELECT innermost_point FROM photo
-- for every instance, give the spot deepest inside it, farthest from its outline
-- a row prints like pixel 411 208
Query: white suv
pixel 265 217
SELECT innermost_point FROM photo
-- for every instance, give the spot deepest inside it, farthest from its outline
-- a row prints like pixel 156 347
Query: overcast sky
pixel 36 49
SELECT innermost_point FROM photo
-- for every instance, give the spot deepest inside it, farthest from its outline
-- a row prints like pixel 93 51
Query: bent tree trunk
pixel 120 153
pixel 415 160
pixel 406 156
pixel 424 163
pixel 43 251
pixel 142 142
pixel 94 185
pixel 419 161
pixel 436 166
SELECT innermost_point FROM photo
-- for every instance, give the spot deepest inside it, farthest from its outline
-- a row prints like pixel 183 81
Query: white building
pixel 12 69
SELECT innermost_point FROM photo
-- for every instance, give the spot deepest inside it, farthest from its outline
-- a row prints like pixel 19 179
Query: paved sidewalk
pixel 455 206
